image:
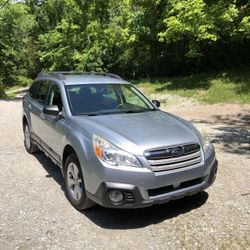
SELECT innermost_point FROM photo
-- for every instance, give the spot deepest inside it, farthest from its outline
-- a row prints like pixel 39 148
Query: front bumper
pixel 136 197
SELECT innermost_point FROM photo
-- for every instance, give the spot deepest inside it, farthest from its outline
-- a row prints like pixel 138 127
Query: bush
pixel 2 93
pixel 23 81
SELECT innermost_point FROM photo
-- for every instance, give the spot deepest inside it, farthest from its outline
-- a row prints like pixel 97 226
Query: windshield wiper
pixel 103 113
pixel 138 111
pixel 120 112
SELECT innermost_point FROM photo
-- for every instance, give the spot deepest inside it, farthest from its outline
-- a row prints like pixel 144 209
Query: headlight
pixel 206 143
pixel 113 155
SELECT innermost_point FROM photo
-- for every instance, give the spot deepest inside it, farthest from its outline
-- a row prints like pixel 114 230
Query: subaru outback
pixel 113 145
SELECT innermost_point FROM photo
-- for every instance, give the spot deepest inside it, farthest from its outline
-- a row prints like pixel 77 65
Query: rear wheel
pixel 29 145
pixel 75 189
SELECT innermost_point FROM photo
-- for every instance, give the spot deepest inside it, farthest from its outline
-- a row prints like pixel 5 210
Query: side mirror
pixel 51 110
pixel 156 103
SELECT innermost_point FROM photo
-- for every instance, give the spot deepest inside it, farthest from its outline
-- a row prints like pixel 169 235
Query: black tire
pixel 28 143
pixel 80 202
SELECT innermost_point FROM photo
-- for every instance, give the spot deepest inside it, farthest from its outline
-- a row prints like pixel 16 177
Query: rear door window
pixel 42 92
pixel 33 89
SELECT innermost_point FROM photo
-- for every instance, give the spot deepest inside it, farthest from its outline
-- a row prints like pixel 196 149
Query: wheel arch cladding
pixel 68 149
pixel 25 120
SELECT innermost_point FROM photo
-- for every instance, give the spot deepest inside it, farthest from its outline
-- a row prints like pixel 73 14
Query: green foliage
pixel 188 18
pixel 94 43
pixel 15 25
pixel 2 93
pixel 205 26
pixel 245 26
pixel 134 38
pixel 23 81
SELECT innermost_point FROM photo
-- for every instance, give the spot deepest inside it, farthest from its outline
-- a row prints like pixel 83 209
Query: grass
pixel 11 92
pixel 217 87
pixel 10 95
pixel 13 88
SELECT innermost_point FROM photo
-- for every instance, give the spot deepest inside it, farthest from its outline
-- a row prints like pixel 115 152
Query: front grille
pixel 174 157
pixel 170 188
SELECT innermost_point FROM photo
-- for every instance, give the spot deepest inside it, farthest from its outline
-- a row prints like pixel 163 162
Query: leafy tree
pixel 134 38
pixel 15 25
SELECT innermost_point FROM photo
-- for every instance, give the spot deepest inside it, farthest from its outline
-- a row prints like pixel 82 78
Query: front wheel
pixel 74 183
pixel 29 145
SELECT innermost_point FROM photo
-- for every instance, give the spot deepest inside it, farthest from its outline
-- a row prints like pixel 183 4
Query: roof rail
pixel 57 75
pixel 113 75
pixel 61 74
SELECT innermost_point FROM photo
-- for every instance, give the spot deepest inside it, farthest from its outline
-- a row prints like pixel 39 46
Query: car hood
pixel 137 132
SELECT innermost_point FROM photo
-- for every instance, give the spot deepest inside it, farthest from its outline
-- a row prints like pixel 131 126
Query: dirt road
pixel 34 213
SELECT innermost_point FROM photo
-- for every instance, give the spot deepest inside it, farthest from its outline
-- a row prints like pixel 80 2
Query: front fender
pixel 82 145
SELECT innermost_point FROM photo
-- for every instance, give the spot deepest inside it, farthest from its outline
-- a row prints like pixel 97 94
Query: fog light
pixel 115 196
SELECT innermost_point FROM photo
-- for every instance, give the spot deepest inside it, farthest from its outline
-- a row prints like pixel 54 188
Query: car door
pixel 36 110
pixel 54 125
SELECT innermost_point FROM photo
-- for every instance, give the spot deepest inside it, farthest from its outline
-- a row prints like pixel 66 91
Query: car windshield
pixel 100 99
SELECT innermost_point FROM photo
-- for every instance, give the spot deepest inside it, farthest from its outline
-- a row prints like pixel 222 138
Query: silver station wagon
pixel 115 147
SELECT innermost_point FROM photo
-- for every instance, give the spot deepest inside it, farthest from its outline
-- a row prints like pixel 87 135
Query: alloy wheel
pixel 74 182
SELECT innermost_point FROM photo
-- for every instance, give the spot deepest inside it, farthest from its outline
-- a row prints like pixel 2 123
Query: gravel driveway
pixel 34 213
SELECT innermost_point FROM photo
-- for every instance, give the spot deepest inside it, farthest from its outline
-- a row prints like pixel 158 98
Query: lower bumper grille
pixel 170 188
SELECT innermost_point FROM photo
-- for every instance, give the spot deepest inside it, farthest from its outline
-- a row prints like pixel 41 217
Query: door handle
pixel 29 106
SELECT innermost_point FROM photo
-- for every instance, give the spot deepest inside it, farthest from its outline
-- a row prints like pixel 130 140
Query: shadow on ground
pixel 128 218
pixel 186 83
pixel 52 170
pixel 137 218
pixel 233 132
